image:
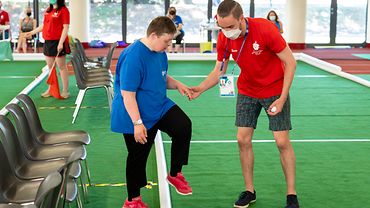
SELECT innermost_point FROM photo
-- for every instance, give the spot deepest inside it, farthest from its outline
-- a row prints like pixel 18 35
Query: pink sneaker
pixel 135 203
pixel 181 185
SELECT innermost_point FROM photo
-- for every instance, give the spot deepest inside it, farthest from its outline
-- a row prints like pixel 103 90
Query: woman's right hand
pixel 28 34
pixel 140 133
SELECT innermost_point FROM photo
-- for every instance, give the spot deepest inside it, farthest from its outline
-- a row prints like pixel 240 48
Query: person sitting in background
pixel 180 32
pixel 26 24
pixel 4 20
pixel 273 17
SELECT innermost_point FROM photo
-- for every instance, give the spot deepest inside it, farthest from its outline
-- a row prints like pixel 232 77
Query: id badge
pixel 227 87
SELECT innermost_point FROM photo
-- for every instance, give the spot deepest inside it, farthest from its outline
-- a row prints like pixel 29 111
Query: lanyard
pixel 240 50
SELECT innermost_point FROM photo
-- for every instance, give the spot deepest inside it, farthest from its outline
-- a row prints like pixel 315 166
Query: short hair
pixel 228 7
pixel 172 10
pixel 161 25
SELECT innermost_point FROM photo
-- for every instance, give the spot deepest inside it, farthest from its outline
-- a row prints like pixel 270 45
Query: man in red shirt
pixel 267 70
pixel 4 20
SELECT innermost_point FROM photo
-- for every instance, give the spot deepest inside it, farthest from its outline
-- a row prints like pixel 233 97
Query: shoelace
pixel 184 183
pixel 182 178
pixel 243 194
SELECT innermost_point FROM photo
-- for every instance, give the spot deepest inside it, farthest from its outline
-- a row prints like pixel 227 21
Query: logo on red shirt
pixel 256 50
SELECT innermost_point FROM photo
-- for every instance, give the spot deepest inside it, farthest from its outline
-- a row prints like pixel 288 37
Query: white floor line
pixel 17 77
pixel 293 140
pixel 29 88
pixel 297 76
pixel 164 190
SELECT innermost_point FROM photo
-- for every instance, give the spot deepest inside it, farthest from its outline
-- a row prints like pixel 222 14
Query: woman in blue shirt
pixel 273 17
pixel 179 35
pixel 141 107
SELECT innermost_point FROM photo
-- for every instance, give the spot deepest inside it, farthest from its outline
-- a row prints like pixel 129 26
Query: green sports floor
pixel 331 138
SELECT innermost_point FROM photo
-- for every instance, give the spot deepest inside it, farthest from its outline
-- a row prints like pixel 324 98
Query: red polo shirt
pixel 262 72
pixel 53 23
pixel 4 17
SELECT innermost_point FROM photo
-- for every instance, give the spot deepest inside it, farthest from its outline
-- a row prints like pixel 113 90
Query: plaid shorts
pixel 248 109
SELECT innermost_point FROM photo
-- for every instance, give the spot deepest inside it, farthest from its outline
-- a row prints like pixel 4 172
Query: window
pixel 192 12
pixel 106 20
pixel 139 14
pixel 351 21
pixel 318 21
pixel 262 7
pixel 244 3
pixel 15 9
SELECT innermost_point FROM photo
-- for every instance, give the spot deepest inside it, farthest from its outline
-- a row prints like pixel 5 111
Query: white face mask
pixel 272 18
pixel 232 34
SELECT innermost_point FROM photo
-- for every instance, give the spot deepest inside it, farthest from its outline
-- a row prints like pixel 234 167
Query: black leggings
pixel 178 126
pixel 179 38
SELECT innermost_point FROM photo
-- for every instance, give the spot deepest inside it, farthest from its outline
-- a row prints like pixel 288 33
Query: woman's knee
pixel 186 124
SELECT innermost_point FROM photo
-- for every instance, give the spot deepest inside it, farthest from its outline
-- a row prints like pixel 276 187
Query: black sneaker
pixel 245 198
pixel 292 201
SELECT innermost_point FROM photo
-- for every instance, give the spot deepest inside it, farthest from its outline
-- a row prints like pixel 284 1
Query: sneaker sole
pixel 251 202
pixel 45 96
pixel 184 194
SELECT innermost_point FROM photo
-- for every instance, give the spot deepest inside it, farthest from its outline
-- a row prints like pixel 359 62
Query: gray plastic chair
pixel 23 167
pixel 84 84
pixel 92 73
pixel 35 151
pixel 47 195
pixel 73 193
pixel 105 61
pixel 43 136
pixel 16 190
pixel 31 148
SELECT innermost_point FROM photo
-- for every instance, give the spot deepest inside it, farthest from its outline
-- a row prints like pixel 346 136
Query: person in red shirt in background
pixel 55 31
pixel 4 20
pixel 267 70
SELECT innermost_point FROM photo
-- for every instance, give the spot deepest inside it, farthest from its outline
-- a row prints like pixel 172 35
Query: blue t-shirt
pixel 142 71
pixel 178 21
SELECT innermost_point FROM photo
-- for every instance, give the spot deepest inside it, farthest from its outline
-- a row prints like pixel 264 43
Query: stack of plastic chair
pixel 36 151
pixel 104 62
pixel 16 191
pixel 45 137
pixel 86 81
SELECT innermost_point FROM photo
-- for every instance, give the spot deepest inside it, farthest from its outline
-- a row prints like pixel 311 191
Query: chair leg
pixel 83 183
pixel 79 201
pixel 87 172
pixel 79 96
pixel 84 194
pixel 109 96
pixel 79 102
